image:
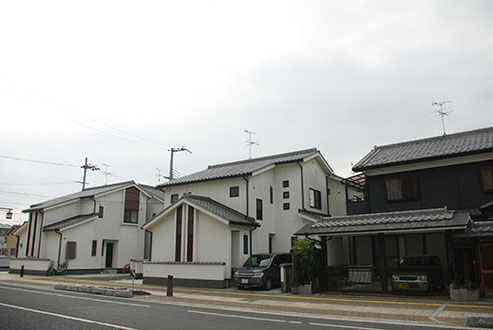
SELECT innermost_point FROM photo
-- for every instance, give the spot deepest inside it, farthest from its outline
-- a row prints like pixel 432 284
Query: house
pixel 418 197
pixel 94 229
pixel 12 241
pixel 217 217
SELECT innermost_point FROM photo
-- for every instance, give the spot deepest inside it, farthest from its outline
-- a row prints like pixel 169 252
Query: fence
pixel 411 280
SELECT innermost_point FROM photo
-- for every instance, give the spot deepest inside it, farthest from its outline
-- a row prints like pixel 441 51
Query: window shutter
pixel 71 252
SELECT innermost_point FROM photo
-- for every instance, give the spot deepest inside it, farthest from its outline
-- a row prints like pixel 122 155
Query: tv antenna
pixel 442 112
pixel 106 173
pixel 250 142
pixel 159 175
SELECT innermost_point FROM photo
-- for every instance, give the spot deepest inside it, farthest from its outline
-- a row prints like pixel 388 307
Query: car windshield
pixel 258 261
pixel 420 261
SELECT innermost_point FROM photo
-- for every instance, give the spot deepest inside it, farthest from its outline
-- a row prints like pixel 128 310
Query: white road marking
pixel 67 317
pixel 294 322
pixel 238 316
pixel 343 326
pixel 74 297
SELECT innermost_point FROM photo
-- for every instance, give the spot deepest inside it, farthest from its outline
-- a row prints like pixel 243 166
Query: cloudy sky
pixel 120 82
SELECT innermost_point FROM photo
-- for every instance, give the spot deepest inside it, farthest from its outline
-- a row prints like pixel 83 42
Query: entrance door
pixel 109 255
pixel 485 256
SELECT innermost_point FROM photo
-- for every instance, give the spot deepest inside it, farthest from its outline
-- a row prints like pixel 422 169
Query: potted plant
pixel 467 291
pixel 306 255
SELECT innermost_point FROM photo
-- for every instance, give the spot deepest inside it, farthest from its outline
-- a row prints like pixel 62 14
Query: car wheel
pixel 268 284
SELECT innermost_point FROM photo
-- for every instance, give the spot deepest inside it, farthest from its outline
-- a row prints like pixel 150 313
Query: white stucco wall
pixel 337 197
pixel 217 189
pixel 128 239
pixel 184 271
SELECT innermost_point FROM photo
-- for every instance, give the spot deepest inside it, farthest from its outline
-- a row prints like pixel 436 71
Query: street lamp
pixel 8 215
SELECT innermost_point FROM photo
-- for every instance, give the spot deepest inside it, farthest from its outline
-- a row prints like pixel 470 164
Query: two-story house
pixel 95 229
pixel 226 212
pixel 419 195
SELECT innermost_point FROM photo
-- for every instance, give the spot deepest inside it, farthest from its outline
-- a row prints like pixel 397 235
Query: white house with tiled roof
pixel 272 194
pixel 94 229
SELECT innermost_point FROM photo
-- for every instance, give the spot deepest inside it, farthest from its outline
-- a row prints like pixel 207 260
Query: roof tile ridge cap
pixel 361 164
pixel 446 136
pixel 263 158
pixel 111 185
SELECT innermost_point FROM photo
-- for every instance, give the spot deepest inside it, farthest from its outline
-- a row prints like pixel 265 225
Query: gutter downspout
pixel 247 214
pixel 302 187
pixel 17 248
pixel 59 247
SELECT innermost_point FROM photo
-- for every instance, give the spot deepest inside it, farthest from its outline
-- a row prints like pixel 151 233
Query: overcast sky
pixel 120 82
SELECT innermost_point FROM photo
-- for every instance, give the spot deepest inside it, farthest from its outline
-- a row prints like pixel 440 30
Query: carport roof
pixel 386 221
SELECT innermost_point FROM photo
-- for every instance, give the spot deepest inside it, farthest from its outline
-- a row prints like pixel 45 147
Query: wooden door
pixel 109 255
pixel 485 257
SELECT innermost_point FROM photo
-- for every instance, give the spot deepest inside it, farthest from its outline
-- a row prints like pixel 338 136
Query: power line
pixel 38 161
pixel 22 194
pixel 37 184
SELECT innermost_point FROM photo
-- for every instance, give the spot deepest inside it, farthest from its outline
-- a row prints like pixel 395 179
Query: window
pixel 100 212
pixel 71 251
pixel 285 194
pixel 402 189
pixel 132 199
pixel 94 248
pixel 174 198
pixel 285 183
pixel 486 178
pixel 285 206
pixel 131 216
pixel 245 244
pixel 315 199
pixel 234 191
pixel 271 195
pixel 271 238
pixel 12 252
pixel 259 209
pixel 293 240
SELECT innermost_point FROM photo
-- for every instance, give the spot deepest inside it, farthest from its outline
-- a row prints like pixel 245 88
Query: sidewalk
pixel 428 310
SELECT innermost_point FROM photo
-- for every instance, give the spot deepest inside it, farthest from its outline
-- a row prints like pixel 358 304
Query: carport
pixel 364 252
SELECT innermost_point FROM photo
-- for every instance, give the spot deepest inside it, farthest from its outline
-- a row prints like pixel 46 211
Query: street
pixel 23 307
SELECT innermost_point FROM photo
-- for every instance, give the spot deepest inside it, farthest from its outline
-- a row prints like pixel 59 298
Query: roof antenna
pixel 441 112
pixel 250 143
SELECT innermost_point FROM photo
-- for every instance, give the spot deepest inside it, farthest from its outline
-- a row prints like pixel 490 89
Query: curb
pixel 106 291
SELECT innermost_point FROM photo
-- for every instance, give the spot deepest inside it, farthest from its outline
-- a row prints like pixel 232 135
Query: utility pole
pixel 250 143
pixel 86 167
pixel 173 150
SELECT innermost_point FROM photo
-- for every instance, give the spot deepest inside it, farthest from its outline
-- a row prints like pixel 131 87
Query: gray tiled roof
pixel 444 146
pixel 478 229
pixel 69 222
pixel 403 220
pixel 240 168
pixel 153 191
pixel 86 193
pixel 221 210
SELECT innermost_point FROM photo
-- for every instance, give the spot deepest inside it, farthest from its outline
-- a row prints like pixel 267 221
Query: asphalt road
pixel 28 308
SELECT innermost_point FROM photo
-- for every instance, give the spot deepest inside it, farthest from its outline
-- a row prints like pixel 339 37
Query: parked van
pixel 261 270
